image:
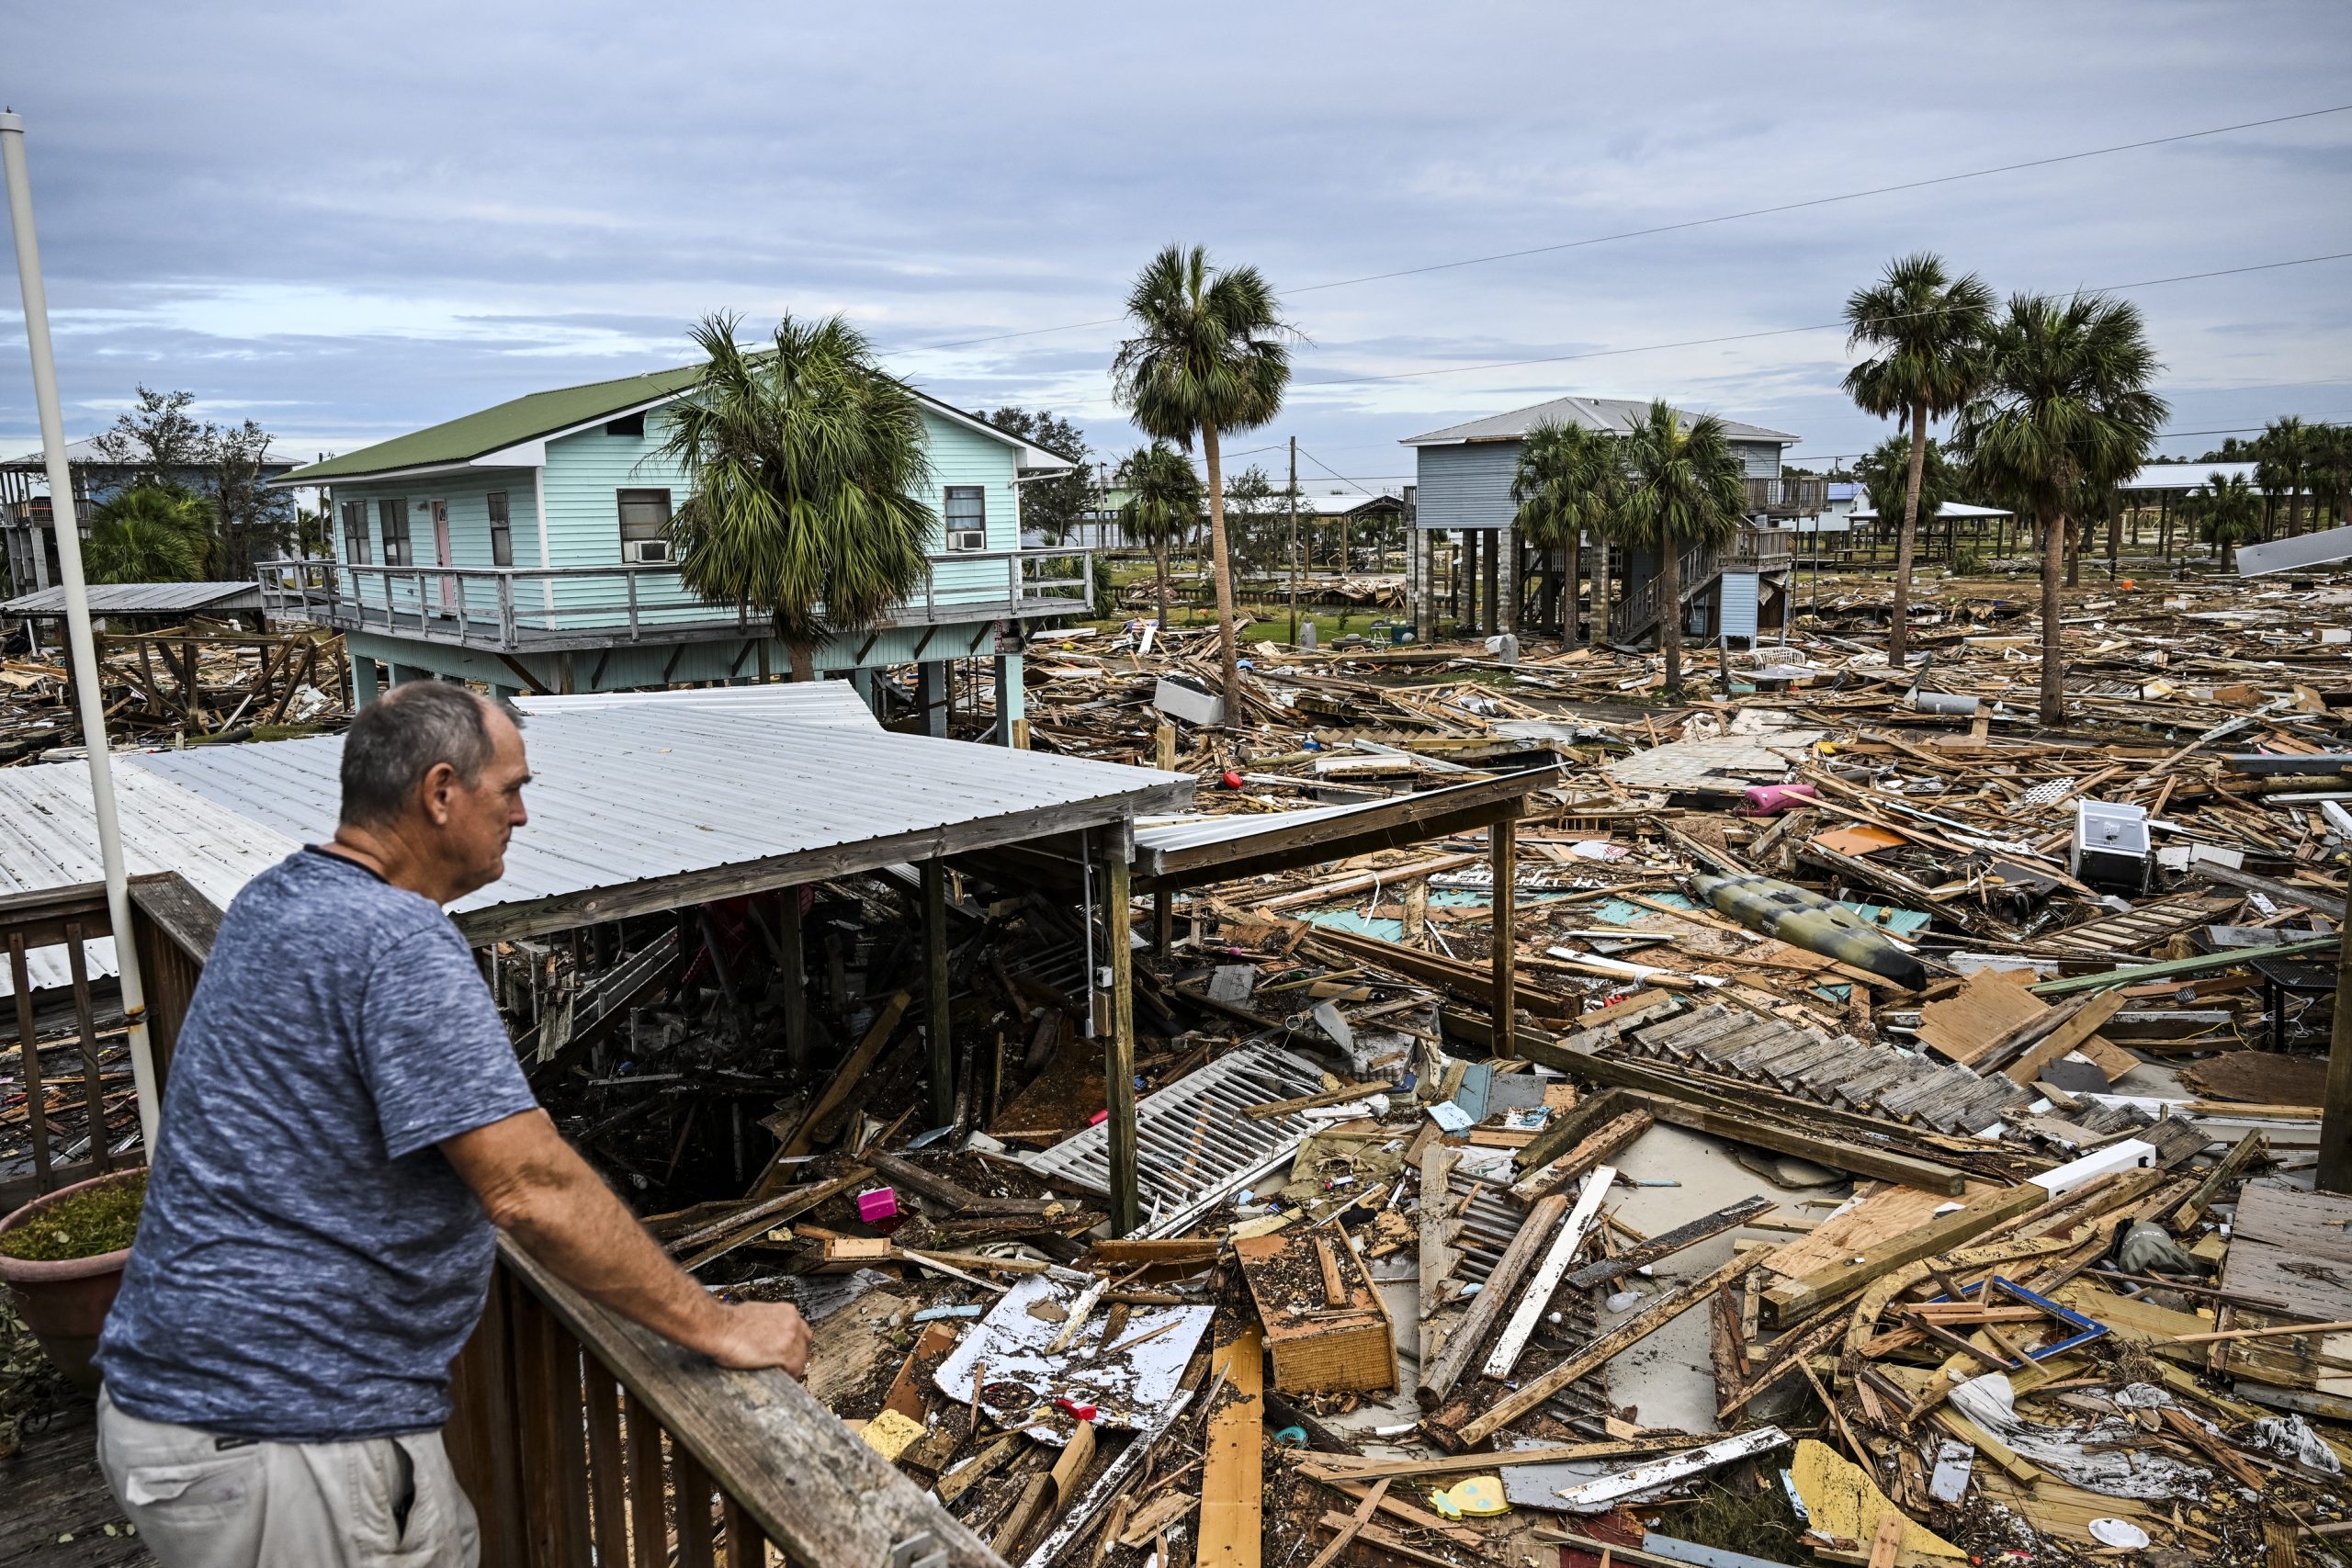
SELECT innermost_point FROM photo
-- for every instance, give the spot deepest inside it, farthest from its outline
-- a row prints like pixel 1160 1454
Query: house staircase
pixel 1636 615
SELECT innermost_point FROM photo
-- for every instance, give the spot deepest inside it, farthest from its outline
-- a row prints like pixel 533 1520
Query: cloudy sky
pixel 351 221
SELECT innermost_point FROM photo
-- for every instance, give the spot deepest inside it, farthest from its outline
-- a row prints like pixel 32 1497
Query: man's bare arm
pixel 539 1191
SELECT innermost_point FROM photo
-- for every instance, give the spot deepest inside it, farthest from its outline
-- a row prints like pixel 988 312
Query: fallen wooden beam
pixel 1548 1274
pixel 1233 1469
pixel 1669 1243
pixel 1439 1377
pixel 1605 1143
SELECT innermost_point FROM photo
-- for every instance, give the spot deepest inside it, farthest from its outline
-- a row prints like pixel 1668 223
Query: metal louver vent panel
pixel 1193 1143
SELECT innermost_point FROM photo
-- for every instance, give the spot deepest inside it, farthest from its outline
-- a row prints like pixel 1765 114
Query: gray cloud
pixel 351 221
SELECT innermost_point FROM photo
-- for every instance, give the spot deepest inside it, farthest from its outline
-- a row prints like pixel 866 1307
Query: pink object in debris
pixel 879 1204
pixel 1770 800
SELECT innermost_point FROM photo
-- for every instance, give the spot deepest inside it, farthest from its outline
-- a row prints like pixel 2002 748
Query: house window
pixel 355 534
pixel 627 424
pixel 392 517
pixel 502 531
pixel 644 516
pixel 968 517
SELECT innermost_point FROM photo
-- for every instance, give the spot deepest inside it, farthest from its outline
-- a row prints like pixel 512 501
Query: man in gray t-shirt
pixel 345 1125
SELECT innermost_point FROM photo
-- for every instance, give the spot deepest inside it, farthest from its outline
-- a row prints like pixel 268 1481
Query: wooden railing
pixel 585 1438
pixel 1640 608
pixel 1762 549
pixel 58 1059
pixel 1787 495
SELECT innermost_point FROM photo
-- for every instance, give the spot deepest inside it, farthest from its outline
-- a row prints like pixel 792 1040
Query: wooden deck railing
pixel 172 932
pixel 585 1438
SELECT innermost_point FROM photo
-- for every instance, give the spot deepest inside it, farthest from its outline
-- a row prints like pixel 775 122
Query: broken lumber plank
pixel 1538 1294
pixel 1334 1467
pixel 1112 1481
pixel 877 1034
pixel 2250 1148
pixel 1608 1141
pixel 1233 1470
pixel 1671 1242
pixel 931 1184
pixel 1791 1298
pixel 1356 1521
pixel 1600 1353
pixel 1839 1153
pixel 1439 1377
pixel 1569 1128
pixel 1748 1119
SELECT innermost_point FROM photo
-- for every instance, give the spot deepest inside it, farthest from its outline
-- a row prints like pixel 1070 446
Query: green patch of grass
pixel 1759 1522
pixel 88 1224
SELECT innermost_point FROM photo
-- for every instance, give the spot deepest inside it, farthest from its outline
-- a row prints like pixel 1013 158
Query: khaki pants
pixel 384 1502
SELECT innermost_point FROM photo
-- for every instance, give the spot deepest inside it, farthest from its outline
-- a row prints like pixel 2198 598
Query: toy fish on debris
pixel 1803 919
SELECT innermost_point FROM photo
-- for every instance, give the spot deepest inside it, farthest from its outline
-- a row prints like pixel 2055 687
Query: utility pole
pixel 82 647
pixel 1293 541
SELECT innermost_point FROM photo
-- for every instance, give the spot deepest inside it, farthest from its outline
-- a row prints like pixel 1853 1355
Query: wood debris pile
pixel 200 683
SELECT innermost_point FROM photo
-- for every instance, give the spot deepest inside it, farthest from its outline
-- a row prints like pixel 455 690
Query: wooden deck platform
pixel 53 1489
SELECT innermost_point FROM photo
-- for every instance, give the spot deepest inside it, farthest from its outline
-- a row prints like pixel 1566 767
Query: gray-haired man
pixel 344 1125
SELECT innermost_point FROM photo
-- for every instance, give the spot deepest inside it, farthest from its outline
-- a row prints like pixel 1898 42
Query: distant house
pixel 526 547
pixel 26 526
pixel 1468 566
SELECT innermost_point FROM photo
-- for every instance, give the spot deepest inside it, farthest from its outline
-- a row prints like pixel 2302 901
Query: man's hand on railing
pixel 537 1189
pixel 762 1333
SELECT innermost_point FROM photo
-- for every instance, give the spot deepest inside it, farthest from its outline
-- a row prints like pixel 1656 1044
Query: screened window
pixel 392 516
pixel 502 531
pixel 968 517
pixel 644 513
pixel 355 534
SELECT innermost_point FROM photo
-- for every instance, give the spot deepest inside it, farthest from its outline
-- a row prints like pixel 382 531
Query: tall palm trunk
pixel 1596 630
pixel 1669 613
pixel 1898 636
pixel 1159 564
pixel 1228 658
pixel 2055 531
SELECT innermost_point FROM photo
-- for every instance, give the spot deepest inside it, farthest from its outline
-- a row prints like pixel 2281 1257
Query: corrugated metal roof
pixel 1615 416
pixel 1948 509
pixel 2190 476
pixel 84 452
pixel 48 839
pixel 630 787
pixel 142 599
pixel 626 787
pixel 1197 832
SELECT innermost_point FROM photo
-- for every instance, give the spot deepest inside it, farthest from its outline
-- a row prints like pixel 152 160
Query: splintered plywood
pixel 1233 1471
pixel 1989 1004
pixel 2294 1247
pixel 1325 1320
pixel 1880 1214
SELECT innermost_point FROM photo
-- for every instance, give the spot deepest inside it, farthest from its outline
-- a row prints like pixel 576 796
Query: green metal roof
pixel 510 424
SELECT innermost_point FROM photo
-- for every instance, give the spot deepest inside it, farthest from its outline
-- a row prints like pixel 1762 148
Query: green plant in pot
pixel 62 1256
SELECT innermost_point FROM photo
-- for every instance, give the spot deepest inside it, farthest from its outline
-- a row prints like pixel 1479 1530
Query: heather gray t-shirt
pixel 308 1262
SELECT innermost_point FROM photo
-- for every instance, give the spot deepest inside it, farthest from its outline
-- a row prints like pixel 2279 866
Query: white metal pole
pixel 81 646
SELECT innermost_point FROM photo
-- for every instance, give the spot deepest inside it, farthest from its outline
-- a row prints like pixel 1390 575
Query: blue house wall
pixel 585 475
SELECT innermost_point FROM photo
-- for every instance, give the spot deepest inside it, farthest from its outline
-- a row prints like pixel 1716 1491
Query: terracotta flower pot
pixel 64 1303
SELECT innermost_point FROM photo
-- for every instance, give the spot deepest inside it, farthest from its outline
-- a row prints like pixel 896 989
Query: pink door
pixel 441 551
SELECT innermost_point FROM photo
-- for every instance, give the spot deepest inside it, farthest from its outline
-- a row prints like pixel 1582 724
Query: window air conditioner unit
pixel 644 552
pixel 967 539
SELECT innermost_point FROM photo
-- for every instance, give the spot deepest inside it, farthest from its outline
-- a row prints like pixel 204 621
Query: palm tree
pixel 2331 471
pixel 152 533
pixel 1163 501
pixel 1684 486
pixel 1209 356
pixel 2283 458
pixel 1569 481
pixel 2226 509
pixel 809 478
pixel 1928 330
pixel 2066 397
pixel 1885 470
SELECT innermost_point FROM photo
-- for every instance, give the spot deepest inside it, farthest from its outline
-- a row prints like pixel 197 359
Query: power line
pixel 1780 332
pixel 1720 218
